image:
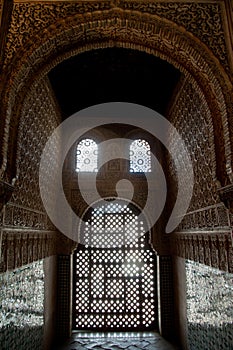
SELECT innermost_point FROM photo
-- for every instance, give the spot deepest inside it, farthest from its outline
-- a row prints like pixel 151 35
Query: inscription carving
pixel 202 19
pixel 211 248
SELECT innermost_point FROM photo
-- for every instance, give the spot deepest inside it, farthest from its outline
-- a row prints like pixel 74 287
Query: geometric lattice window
pixel 140 156
pixel 86 156
pixel 114 271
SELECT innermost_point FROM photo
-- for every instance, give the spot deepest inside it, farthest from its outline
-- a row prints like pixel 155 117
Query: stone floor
pixel 117 341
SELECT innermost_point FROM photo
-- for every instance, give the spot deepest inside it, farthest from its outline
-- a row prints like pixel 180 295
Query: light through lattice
pixel 87 156
pixel 114 281
pixel 140 156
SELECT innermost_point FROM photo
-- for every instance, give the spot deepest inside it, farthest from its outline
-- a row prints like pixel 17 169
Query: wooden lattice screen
pixel 114 271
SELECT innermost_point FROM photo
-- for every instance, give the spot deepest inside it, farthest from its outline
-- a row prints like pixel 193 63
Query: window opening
pixel 140 156
pixel 87 156
pixel 114 271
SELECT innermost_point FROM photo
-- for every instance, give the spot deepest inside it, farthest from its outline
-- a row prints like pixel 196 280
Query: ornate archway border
pixel 128 29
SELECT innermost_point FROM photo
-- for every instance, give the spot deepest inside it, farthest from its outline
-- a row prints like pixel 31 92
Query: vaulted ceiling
pixel 113 74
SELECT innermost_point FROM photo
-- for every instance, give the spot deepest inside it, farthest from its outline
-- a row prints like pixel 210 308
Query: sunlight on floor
pixel 117 341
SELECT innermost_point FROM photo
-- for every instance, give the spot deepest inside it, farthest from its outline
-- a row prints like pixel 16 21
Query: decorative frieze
pixel 29 19
pixel 207 247
pixel 210 217
pixel 226 196
pixel 190 16
pixel 18 216
pixel 21 247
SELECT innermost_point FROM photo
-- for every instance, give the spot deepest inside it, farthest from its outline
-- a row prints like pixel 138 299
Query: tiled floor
pixel 117 341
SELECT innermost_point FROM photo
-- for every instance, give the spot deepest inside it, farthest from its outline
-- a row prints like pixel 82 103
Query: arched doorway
pixel 114 277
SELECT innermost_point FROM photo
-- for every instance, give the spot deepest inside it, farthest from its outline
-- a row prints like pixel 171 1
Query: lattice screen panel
pixel 140 157
pixel 114 272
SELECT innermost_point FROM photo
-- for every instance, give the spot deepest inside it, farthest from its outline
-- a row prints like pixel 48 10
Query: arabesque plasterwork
pixel 117 27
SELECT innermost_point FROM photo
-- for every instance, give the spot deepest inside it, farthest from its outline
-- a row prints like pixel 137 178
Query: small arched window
pixel 87 156
pixel 140 156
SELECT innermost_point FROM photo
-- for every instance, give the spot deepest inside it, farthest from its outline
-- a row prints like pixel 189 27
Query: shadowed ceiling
pixel 113 74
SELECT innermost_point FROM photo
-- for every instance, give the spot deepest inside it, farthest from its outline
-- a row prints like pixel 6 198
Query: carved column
pixel 64 301
pixel 166 297
pixel 65 249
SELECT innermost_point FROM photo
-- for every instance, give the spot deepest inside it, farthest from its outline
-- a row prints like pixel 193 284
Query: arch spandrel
pixel 188 15
pixel 136 30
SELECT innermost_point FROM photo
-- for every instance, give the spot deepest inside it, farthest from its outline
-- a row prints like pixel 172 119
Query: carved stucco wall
pixel 205 232
pixel 42 34
pixel 27 20
pixel 191 117
pixel 24 215
pixel 39 119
